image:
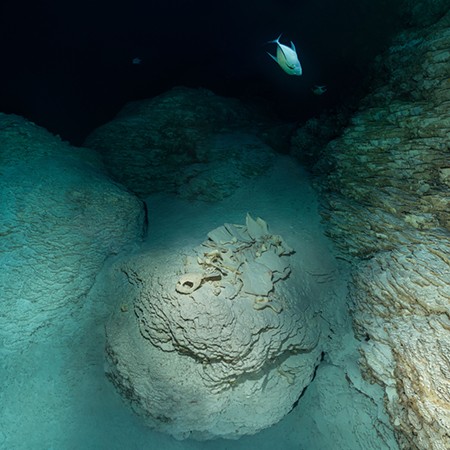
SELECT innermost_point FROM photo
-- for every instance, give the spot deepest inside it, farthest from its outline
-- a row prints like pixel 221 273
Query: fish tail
pixel 275 41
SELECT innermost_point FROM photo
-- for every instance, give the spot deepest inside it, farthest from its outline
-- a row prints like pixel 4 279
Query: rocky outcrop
pixel 187 141
pixel 402 311
pixel 61 218
pixel 309 141
pixel 386 190
pixel 202 339
pixel 421 13
pixel 391 164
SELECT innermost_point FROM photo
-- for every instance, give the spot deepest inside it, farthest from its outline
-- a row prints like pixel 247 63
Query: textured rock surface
pixel 308 141
pixel 61 218
pixel 386 189
pixel 392 162
pixel 420 13
pixel 218 334
pixel 188 141
pixel 402 311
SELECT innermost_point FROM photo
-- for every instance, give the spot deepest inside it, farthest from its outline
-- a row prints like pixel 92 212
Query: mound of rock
pixel 203 339
pixel 186 141
pixel 61 218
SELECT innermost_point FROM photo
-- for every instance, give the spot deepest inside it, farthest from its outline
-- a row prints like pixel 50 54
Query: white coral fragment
pixel 257 279
pixel 189 282
pixel 238 232
pixel 220 236
pixel 256 228
pixel 279 266
pixel 247 260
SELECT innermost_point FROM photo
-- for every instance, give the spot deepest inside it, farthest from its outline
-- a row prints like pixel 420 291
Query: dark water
pixel 68 66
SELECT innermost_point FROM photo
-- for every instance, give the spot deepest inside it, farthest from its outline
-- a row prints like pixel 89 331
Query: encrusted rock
pixel 386 198
pixel 61 218
pixel 389 167
pixel 402 312
pixel 186 141
pixel 200 361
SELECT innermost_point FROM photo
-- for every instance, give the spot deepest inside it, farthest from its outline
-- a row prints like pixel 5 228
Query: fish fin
pixel 293 47
pixel 275 41
pixel 285 58
pixel 273 57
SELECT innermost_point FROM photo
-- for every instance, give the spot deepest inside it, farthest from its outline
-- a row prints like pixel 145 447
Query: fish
pixel 319 90
pixel 287 57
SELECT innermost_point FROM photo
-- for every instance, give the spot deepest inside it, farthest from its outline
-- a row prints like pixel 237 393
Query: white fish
pixel 286 57
pixel 319 90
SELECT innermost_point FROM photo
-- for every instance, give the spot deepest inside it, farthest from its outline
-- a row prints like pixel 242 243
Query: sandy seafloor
pixel 56 396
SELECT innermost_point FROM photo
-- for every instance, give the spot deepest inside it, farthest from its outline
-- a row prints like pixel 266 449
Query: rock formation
pixel 215 341
pixel 187 141
pixel 386 190
pixel 61 218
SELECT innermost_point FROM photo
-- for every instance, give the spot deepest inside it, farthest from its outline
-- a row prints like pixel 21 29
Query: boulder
pixel 186 141
pixel 213 341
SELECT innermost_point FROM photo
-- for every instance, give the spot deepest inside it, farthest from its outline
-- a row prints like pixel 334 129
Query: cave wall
pixel 385 185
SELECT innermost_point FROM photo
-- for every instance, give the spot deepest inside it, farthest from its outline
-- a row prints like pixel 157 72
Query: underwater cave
pixel 225 226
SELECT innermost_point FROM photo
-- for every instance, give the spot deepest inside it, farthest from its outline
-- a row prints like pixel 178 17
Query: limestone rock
pixel 200 362
pixel 228 160
pixel 402 312
pixel 386 199
pixel 61 218
pixel 420 13
pixel 388 167
pixel 309 140
pixel 187 141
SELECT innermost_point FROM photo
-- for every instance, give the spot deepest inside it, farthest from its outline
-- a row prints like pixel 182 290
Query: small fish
pixel 136 61
pixel 286 57
pixel 319 90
